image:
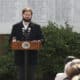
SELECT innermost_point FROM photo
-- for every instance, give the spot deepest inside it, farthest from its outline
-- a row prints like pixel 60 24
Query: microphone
pixel 26 32
pixel 29 30
pixel 23 30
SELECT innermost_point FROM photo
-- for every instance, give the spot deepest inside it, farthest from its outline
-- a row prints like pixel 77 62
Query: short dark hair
pixel 27 10
pixel 69 58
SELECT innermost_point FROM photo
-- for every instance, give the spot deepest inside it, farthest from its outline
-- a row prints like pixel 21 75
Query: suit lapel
pixel 29 27
pixel 21 25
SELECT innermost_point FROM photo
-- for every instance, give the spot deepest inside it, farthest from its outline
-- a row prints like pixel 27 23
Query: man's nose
pixel 26 16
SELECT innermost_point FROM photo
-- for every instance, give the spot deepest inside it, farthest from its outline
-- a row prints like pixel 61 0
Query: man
pixel 26 30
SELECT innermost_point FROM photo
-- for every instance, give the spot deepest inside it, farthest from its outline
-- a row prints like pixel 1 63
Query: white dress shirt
pixel 25 24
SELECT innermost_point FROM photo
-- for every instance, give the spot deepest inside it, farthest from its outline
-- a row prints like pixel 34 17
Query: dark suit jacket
pixel 34 34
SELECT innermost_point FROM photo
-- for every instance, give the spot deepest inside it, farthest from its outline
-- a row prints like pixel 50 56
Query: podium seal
pixel 25 45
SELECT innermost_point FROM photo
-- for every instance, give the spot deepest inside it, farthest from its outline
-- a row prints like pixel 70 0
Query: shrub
pixel 60 42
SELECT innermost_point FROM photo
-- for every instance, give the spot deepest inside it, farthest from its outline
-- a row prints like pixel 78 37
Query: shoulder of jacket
pixel 17 24
pixel 35 24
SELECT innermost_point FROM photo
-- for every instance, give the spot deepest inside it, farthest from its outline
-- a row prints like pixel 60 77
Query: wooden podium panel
pixel 26 45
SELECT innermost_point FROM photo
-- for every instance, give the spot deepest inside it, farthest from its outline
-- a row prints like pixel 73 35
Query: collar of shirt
pixel 25 24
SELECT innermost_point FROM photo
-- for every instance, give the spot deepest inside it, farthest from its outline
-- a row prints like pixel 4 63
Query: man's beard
pixel 26 20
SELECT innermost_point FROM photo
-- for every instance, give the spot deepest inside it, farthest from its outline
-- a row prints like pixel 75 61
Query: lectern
pixel 26 45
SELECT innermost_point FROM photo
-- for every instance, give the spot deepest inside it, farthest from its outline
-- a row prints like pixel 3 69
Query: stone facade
pixel 58 11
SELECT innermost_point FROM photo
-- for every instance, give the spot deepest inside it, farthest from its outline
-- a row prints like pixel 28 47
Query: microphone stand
pixel 26 34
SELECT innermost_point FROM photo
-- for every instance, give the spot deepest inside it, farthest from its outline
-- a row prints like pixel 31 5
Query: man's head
pixel 69 58
pixel 27 14
pixel 68 61
pixel 73 69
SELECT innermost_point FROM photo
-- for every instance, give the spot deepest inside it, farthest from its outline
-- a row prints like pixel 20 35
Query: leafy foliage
pixel 7 67
pixel 60 42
